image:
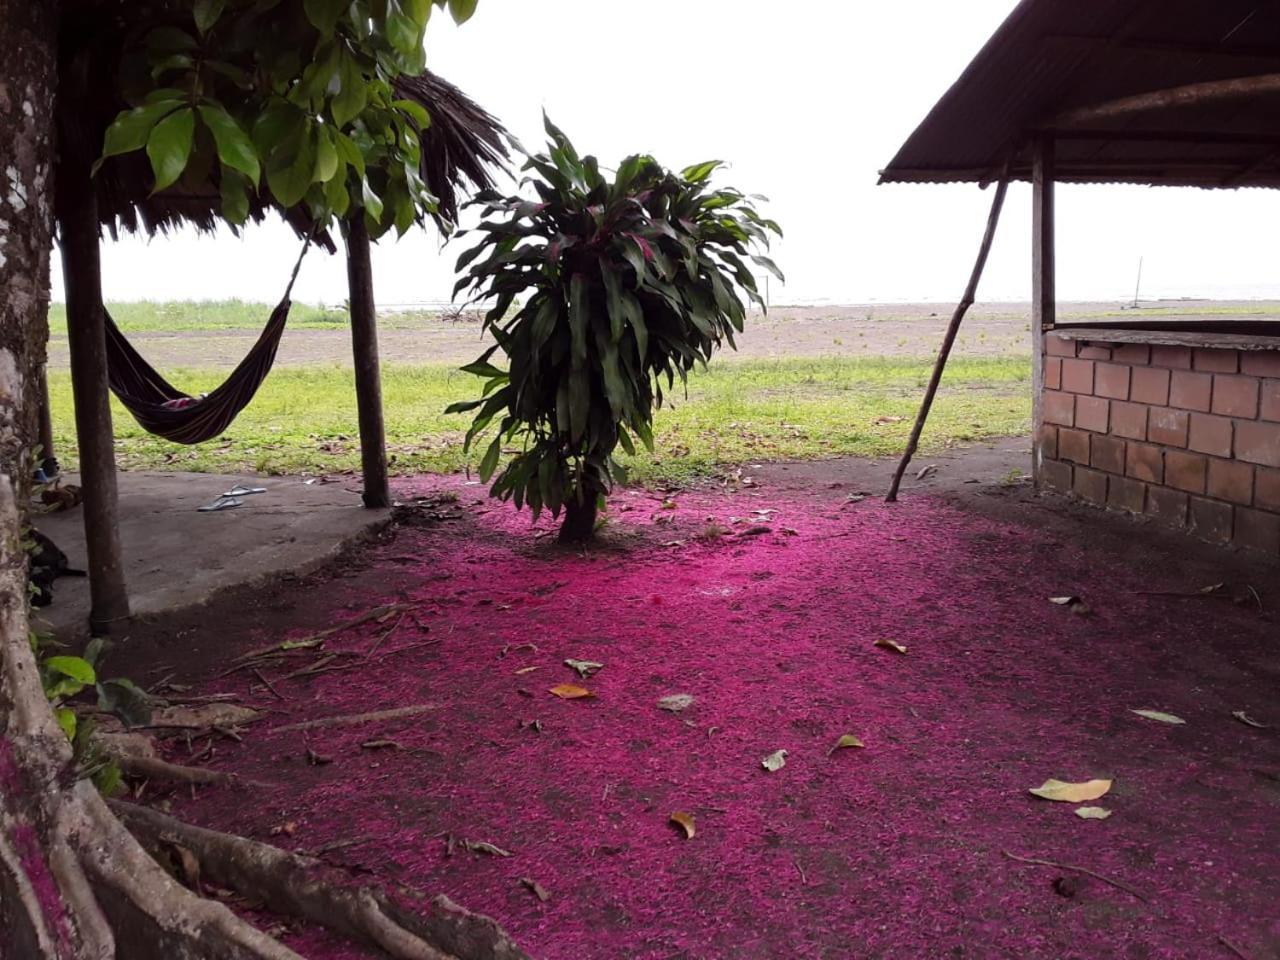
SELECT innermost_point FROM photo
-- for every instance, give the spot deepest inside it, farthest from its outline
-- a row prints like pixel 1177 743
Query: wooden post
pixel 1044 297
pixel 944 351
pixel 364 342
pixel 86 338
pixel 48 460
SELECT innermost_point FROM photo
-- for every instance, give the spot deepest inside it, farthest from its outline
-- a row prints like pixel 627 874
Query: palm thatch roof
pixel 461 148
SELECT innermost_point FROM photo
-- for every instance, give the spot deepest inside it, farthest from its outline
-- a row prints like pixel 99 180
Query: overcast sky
pixel 806 101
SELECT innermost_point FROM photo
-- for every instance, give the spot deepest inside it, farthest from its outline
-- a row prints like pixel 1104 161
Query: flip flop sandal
pixel 222 503
pixel 239 490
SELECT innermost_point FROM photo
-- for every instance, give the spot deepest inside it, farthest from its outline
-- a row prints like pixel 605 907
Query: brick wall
pixel 1189 436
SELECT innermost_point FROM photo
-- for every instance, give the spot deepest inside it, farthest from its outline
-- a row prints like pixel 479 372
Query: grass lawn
pixel 304 419
pixel 154 316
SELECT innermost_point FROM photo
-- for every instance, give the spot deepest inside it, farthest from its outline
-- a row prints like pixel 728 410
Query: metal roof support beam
pixel 1044 294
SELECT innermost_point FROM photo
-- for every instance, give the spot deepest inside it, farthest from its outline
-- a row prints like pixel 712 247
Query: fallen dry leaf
pixel 537 889
pixel 571 691
pixel 1248 720
pixel 524 670
pixel 676 702
pixel 1157 715
pixel 775 761
pixel 1092 813
pixel 585 668
pixel 926 471
pixel 685 822
pixel 1074 604
pixel 1064 792
pixel 480 846
pixel 848 741
pixel 893 645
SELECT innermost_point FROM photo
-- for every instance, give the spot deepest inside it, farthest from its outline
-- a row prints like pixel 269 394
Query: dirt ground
pixel 865 330
pixel 763 601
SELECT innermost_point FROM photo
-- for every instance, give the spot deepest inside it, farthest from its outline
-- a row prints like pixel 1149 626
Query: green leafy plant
pixel 298 94
pixel 624 283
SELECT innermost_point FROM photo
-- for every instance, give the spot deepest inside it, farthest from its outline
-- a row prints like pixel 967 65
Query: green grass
pixel 304 420
pixel 149 316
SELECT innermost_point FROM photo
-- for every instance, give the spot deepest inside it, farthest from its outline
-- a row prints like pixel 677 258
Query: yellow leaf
pixel 1092 813
pixel 848 741
pixel 1065 792
pixel 685 822
pixel 1157 715
pixel 571 691
pixel 775 761
pixel 893 645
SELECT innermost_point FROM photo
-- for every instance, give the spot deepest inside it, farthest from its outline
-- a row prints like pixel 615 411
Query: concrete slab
pixel 176 556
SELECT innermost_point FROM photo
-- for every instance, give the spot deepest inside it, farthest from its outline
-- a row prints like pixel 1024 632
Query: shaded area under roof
pixel 1054 56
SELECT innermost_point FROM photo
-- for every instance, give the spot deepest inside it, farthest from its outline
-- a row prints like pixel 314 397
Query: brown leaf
pixel 570 691
pixel 891 645
pixel 537 889
pixel 685 821
pixel 676 702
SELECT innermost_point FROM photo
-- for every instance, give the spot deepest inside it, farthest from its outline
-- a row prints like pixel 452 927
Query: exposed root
pixel 353 719
pixel 154 768
pixel 304 887
pixel 317 638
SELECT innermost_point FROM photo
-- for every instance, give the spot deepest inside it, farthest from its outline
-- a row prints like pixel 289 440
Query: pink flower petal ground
pixel 895 850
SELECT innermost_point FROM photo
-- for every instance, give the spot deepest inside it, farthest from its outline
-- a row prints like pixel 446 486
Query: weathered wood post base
pixel 364 343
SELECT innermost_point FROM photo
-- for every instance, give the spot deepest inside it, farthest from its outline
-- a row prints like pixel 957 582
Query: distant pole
pixel 944 351
pixel 364 342
pixel 1137 286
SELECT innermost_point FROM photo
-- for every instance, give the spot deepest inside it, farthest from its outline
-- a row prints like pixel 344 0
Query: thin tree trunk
pixel 364 342
pixel 579 524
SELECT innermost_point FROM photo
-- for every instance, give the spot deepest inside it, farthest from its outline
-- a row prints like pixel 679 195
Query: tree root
pixel 304 887
pixel 153 768
pixel 353 719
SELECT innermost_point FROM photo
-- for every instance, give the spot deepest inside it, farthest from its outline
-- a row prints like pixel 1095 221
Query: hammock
pixel 164 410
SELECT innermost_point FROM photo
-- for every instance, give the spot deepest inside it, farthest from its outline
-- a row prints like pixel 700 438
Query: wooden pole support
pixel 364 343
pixel 944 351
pixel 86 339
pixel 1044 294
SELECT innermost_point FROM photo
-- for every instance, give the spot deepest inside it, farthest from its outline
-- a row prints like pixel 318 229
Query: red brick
pixel 1112 380
pixel 1167 426
pixel 1150 385
pixel 1126 494
pixel 1167 506
pixel 1090 351
pixel 1266 489
pixel 1231 480
pixel 1090 485
pixel 1129 420
pixel 1257 530
pixel 1077 376
pixel 1059 408
pixel 1073 445
pixel 1048 441
pixel 1210 435
pixel 1211 520
pixel 1056 346
pixel 1235 397
pixel 1260 363
pixel 1215 361
pixel 1132 353
pixel 1258 442
pixel 1053 373
pixel 1092 413
pixel 1107 453
pixel 1177 358
pixel 1145 462
pixel 1185 471
pixel 1270 400
pixel 1191 391
pixel 1056 475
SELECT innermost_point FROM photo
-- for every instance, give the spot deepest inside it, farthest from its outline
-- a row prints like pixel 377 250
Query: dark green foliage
pixel 624 285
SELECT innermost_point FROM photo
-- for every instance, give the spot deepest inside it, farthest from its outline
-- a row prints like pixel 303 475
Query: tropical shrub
pixel 602 289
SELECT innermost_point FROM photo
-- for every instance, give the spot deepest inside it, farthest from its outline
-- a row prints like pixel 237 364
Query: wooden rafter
pixel 1187 95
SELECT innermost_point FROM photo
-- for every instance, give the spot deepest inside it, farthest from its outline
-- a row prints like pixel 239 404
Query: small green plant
pixel 622 284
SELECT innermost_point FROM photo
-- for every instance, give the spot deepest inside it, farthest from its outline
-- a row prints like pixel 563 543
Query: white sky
pixel 824 93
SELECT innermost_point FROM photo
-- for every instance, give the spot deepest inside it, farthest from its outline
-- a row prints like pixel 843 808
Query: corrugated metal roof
pixel 1051 56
